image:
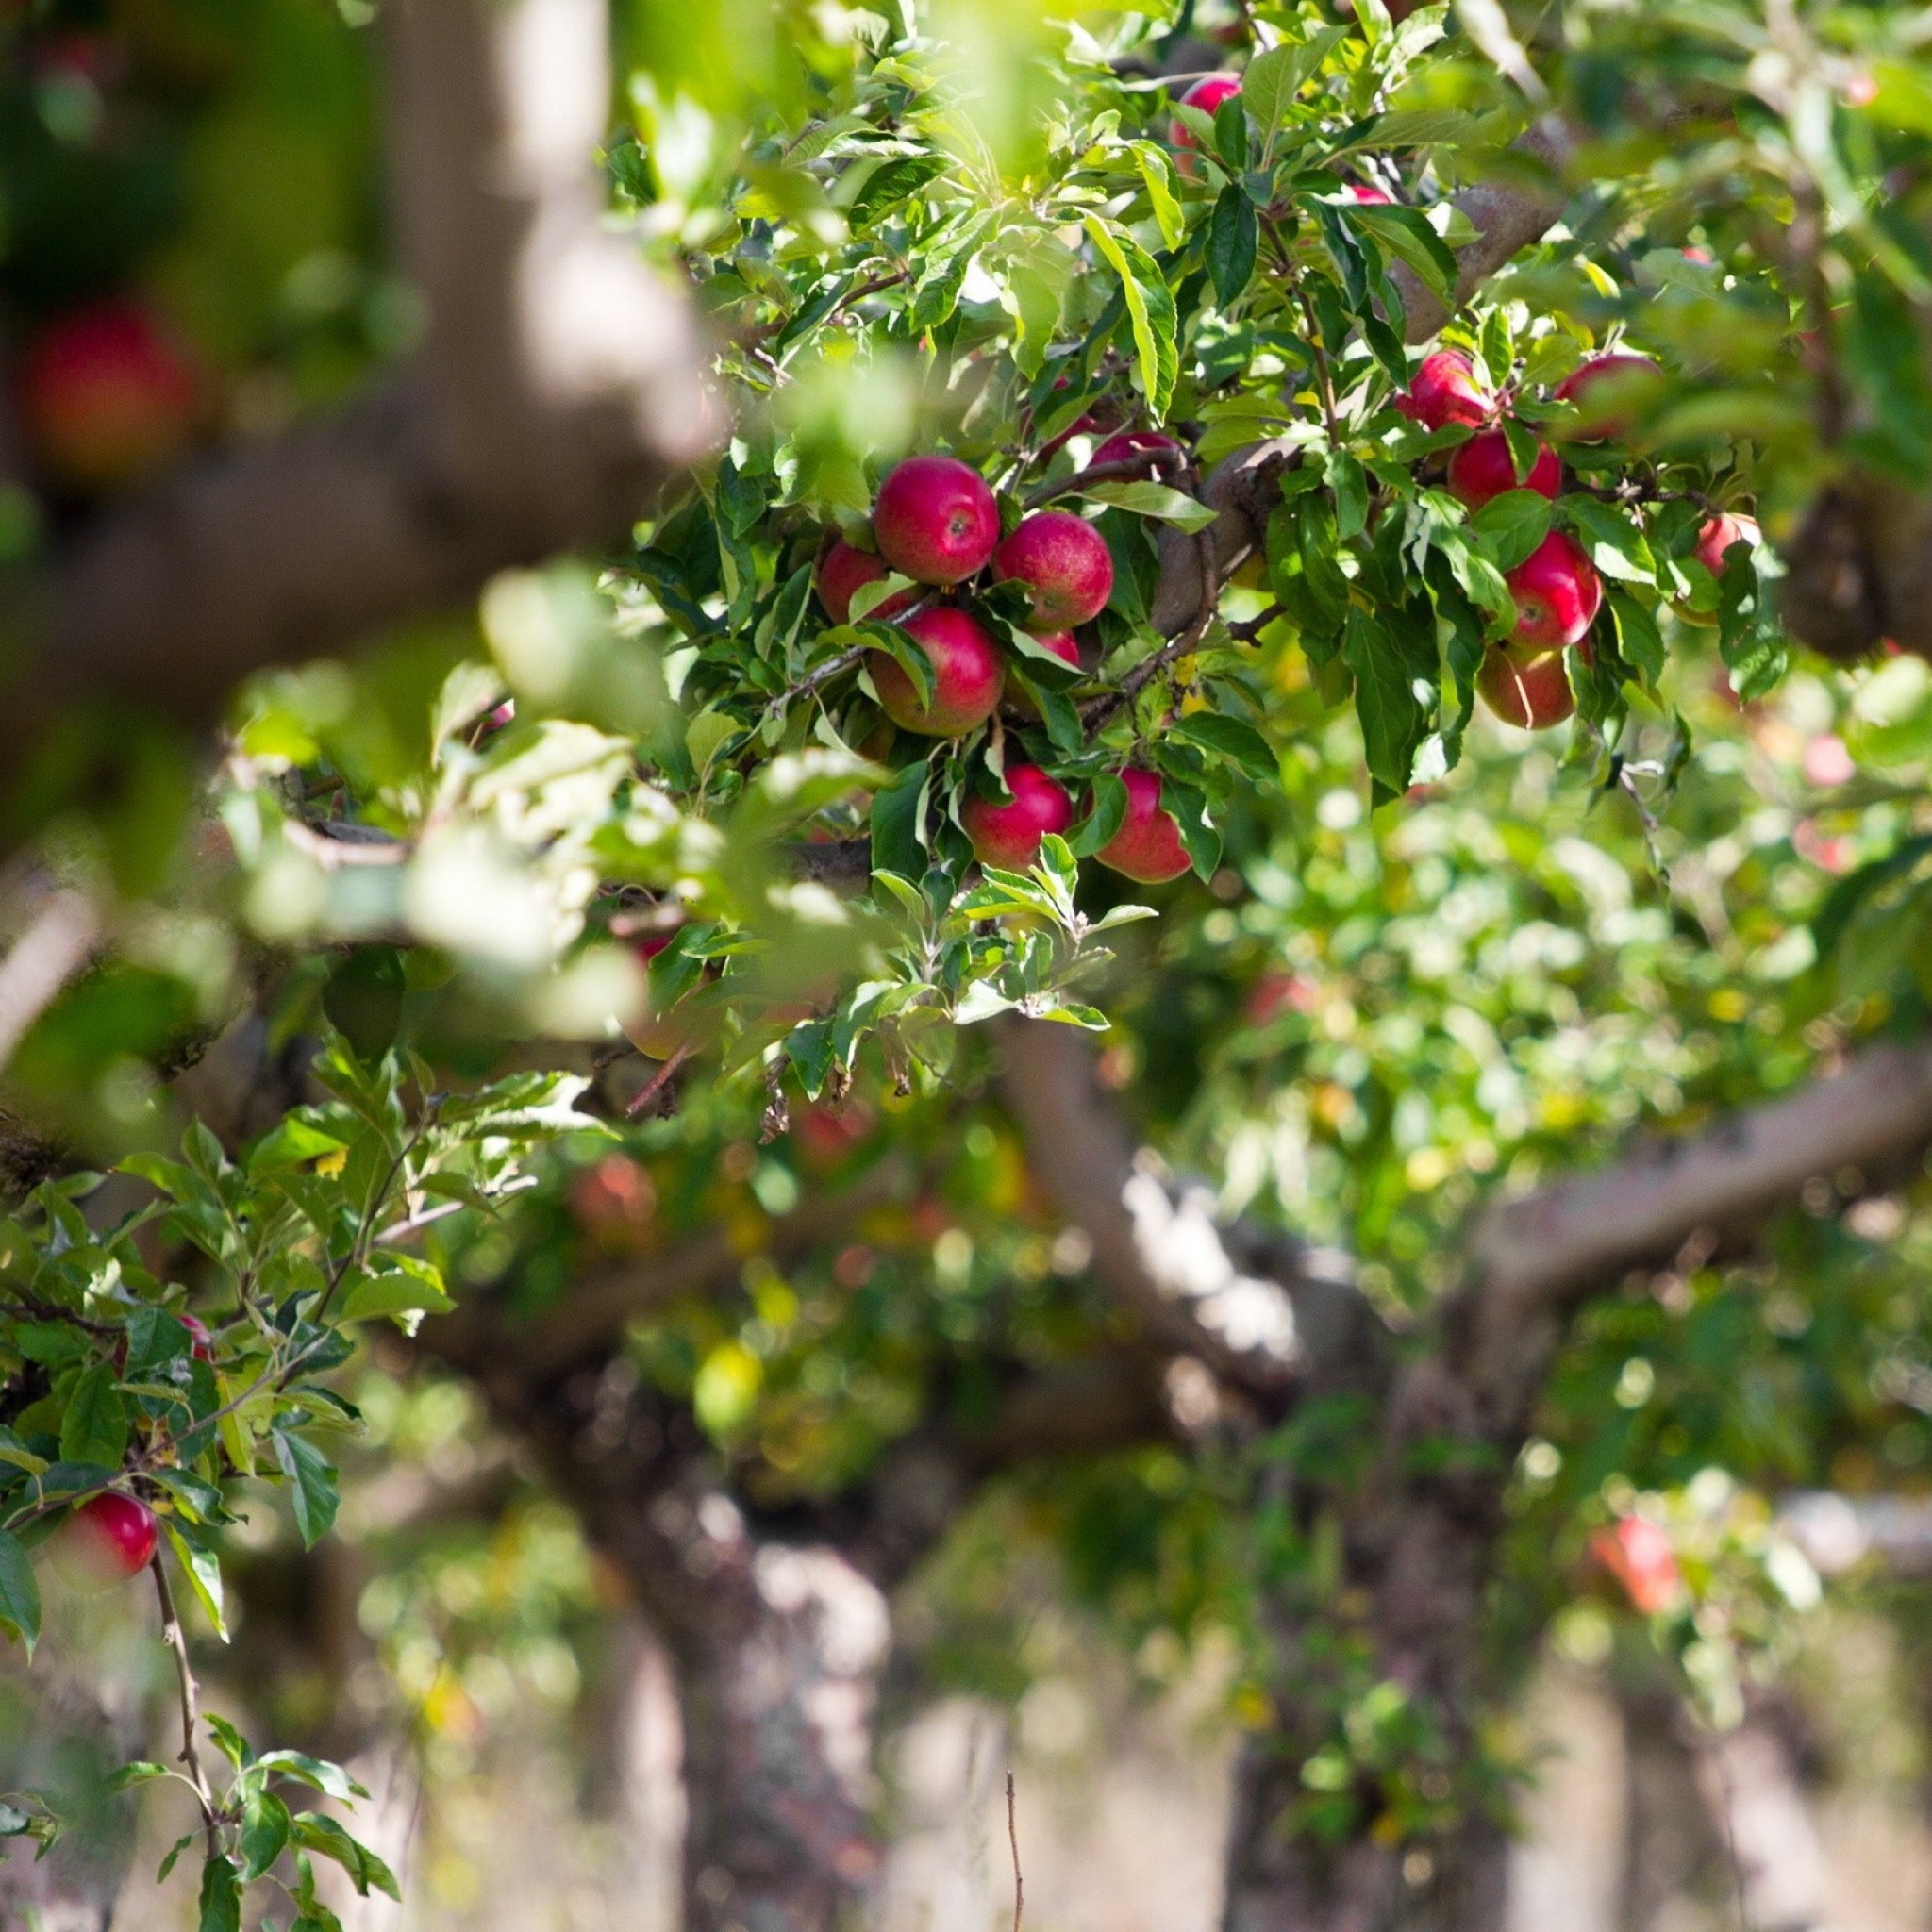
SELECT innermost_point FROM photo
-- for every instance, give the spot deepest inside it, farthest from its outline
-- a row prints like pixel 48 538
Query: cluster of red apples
pixel 1557 588
pixel 936 522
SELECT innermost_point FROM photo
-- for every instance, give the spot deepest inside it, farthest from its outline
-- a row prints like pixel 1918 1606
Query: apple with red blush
pixel 967 676
pixel 936 520
pixel 1207 94
pixel 1063 562
pixel 1444 390
pixel 1557 593
pixel 1608 392
pixel 843 570
pixel 1153 453
pixel 1007 834
pixel 1148 847
pixel 1484 468
pixel 1529 689
pixel 108 1539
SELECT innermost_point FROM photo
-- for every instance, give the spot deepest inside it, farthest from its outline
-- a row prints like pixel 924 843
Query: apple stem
pixel 176 1640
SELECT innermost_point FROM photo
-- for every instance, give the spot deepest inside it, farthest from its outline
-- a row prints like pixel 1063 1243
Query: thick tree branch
pixel 1160 1254
pixel 1534 1260
pixel 560 383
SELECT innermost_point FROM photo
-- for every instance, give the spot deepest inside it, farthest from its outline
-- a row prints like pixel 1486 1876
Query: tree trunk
pixel 775 1648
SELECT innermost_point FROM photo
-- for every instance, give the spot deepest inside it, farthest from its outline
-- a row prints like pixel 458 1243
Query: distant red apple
pixel 1528 689
pixel 936 520
pixel 106 396
pixel 1605 392
pixel 1008 834
pixel 1557 593
pixel 844 569
pixel 1638 1555
pixel 1366 194
pixel 1484 469
pixel 1207 94
pixel 110 1538
pixel 1159 456
pixel 614 1199
pixel 1719 533
pixel 202 1343
pixel 1064 562
pixel 1148 845
pixel 967 676
pixel 1444 390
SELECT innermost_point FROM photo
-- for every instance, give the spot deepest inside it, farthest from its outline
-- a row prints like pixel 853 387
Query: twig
pixel 1013 1839
pixel 176 1640
pixel 1250 628
pixel 1097 714
pixel 655 1086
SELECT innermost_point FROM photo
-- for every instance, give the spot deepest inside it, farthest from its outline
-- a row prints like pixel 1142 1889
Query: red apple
pixel 1064 562
pixel 1528 689
pixel 1158 454
pixel 1008 834
pixel 936 520
pixel 1445 390
pixel 203 1342
pixel 1148 845
pixel 1366 194
pixel 1557 593
pixel 967 676
pixel 614 1200
pixel 1605 389
pixel 1207 94
pixel 110 1538
pixel 1063 643
pixel 842 569
pixel 1719 533
pixel 1483 468
pixel 106 396
pixel 1638 1555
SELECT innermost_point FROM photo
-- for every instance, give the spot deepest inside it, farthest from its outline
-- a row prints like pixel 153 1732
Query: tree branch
pixel 1157 1253
pixel 559 384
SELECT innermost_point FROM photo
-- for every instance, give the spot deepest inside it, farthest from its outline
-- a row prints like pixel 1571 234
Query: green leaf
pixel 1163 199
pixel 95 1428
pixel 318 1773
pixel 1232 738
pixel 1405 233
pixel 203 1570
pixel 1275 77
pixel 1109 811
pixel 1637 637
pixel 1350 482
pixel 319 1833
pixel 139 1773
pixel 891 184
pixel 1150 311
pixel 1157 500
pixel 20 1591
pixel 897 810
pixel 399 1284
pixel 1233 238
pixel 910 655
pixel 266 1828
pixel 1611 540
pixel 1511 526
pixel 221 1897
pixel 312 1482
pixel 1394 717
